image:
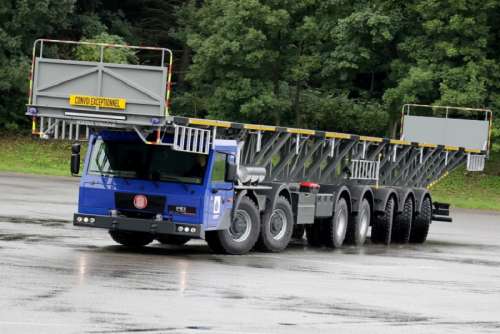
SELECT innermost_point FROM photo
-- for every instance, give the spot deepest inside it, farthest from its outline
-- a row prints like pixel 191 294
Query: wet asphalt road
pixel 56 278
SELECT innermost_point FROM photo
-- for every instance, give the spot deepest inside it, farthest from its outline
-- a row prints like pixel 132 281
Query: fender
pixel 337 191
pixel 228 216
pixel 270 197
pixel 381 197
pixel 357 195
pixel 258 199
pixel 420 194
pixel 403 194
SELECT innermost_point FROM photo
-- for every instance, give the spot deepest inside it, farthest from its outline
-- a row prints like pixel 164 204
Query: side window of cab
pixel 219 169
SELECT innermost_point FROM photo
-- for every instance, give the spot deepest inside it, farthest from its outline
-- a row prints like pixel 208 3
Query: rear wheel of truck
pixel 131 239
pixel 402 223
pixel 359 224
pixel 168 239
pixel 422 222
pixel 336 227
pixel 241 235
pixel 382 225
pixel 276 232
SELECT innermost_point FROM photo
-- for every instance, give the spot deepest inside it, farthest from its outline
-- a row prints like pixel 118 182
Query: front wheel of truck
pixel 131 239
pixel 241 235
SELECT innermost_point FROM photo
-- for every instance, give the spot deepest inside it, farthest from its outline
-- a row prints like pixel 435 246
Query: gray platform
pixel 471 134
pixel 141 87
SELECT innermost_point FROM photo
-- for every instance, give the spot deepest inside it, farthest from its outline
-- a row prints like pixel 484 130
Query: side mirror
pixel 75 159
pixel 231 172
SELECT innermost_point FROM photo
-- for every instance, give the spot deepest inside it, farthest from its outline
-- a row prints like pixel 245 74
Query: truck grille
pixel 124 202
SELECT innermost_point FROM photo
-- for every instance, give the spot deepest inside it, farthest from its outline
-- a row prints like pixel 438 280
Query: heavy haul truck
pixel 148 175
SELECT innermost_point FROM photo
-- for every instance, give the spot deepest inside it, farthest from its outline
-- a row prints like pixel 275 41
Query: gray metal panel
pixel 470 134
pixel 143 87
pixel 324 205
pixel 303 207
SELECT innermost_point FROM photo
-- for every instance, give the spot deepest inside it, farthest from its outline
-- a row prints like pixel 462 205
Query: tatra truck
pixel 148 175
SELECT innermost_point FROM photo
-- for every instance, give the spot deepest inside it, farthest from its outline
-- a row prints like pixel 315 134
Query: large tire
pixel 131 239
pixel 241 235
pixel 382 225
pixel 314 232
pixel 359 224
pixel 422 222
pixel 298 231
pixel 169 239
pixel 336 227
pixel 402 223
pixel 276 232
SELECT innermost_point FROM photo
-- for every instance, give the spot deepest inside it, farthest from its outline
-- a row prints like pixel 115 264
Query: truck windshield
pixel 147 162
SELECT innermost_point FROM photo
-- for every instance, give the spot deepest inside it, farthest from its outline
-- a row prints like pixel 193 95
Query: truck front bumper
pixel 139 225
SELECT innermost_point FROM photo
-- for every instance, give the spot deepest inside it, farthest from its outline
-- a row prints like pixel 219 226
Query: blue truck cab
pixel 134 189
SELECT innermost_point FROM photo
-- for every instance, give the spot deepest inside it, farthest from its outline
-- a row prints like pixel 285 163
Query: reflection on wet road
pixel 56 278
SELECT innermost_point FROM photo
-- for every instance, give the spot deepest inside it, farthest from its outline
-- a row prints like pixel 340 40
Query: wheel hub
pixel 240 226
pixel 278 224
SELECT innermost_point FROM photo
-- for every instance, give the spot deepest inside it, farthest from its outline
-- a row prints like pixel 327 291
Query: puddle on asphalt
pixel 25 237
pixel 39 221
pixel 134 330
pixel 449 244
pixel 351 310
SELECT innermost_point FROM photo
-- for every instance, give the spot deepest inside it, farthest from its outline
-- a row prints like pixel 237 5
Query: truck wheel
pixel 336 227
pixel 313 233
pixel 422 222
pixel 298 231
pixel 276 232
pixel 243 232
pixel 131 239
pixel 168 239
pixel 382 226
pixel 359 224
pixel 402 224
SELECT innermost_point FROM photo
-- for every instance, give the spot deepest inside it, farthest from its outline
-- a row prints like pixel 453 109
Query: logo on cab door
pixel 140 202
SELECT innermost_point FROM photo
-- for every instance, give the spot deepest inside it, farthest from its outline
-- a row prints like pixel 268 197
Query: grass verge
pixel 460 188
pixel 35 156
pixel 471 190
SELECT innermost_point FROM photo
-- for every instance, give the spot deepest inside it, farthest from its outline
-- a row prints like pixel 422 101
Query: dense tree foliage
pixel 329 64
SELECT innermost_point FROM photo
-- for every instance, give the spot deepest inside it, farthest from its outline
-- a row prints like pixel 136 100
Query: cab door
pixel 221 190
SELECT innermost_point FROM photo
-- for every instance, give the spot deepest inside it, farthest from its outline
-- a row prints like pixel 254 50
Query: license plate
pixel 97 101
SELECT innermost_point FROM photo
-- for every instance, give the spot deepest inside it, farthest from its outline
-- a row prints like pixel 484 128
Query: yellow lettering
pixel 97 101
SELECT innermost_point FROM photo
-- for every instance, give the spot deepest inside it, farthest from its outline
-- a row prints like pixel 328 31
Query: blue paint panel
pixel 98 193
pixel 220 195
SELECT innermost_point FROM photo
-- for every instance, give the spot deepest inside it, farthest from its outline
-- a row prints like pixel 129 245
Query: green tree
pixel 446 56
pixel 21 22
pixel 277 61
pixel 110 54
pixel 328 64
